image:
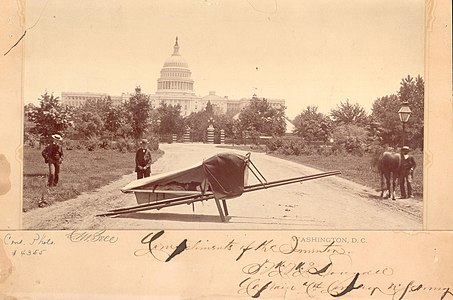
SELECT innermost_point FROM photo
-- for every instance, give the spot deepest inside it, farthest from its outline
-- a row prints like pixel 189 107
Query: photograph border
pixel 432 246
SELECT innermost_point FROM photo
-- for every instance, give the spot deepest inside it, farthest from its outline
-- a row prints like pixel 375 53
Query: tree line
pixel 347 125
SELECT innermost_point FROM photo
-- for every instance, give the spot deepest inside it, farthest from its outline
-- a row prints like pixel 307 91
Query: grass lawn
pixel 81 171
pixel 357 169
pixel 354 168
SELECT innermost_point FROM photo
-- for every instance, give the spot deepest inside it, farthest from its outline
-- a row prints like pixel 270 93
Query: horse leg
pixel 387 180
pixel 382 184
pixel 393 186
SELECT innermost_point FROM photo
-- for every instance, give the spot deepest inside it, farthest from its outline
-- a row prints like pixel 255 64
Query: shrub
pixel 69 144
pixel 31 140
pixel 105 144
pixel 274 144
pixel 92 143
pixel 293 147
pixel 325 150
pixel 354 146
pixel 153 143
pixel 131 146
pixel 350 138
pixel 297 146
pixel 122 145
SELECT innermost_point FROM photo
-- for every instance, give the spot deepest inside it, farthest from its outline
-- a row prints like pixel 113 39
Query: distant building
pixel 77 99
pixel 219 103
pixel 175 86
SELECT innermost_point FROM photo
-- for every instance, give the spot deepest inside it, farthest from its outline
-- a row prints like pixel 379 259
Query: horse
pixel 388 165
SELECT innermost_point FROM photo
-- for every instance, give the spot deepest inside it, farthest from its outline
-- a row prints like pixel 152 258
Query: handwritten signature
pixel 100 236
pixel 323 269
pixel 160 255
pixel 255 287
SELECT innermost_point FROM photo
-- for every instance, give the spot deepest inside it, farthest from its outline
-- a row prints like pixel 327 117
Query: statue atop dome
pixel 176 48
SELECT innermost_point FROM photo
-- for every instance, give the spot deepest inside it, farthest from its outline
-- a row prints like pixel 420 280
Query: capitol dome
pixel 176 60
pixel 175 75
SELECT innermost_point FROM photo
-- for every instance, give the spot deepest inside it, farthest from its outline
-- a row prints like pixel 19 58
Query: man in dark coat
pixel 406 172
pixel 143 160
pixel 53 157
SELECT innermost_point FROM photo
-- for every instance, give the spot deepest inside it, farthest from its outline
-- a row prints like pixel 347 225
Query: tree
pixel 199 122
pixel 139 108
pixel 259 116
pixel 101 106
pixel 28 125
pixel 312 125
pixel 351 138
pixel 91 117
pixel 209 108
pixel 50 117
pixel 88 123
pixel 349 114
pixel 171 121
pixel 115 121
pixel 412 90
pixel 384 114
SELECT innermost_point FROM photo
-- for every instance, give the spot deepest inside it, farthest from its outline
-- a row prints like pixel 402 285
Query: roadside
pixel 327 203
pixel 353 167
pixel 82 171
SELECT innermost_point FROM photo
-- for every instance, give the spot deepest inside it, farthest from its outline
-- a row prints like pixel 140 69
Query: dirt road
pixel 329 203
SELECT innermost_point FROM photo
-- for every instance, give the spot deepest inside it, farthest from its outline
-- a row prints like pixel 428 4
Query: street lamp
pixel 404 113
pixel 210 131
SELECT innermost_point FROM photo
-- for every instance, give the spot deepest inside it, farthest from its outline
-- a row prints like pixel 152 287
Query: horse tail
pixel 376 161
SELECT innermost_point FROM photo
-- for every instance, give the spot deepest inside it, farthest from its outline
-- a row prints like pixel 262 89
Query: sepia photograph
pixel 223 115
pixel 212 149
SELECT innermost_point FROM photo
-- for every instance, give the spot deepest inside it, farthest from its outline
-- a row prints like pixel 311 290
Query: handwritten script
pixel 300 267
pixel 84 236
pixel 36 245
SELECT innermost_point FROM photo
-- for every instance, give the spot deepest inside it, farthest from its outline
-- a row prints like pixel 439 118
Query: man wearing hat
pixel 53 157
pixel 406 172
pixel 143 160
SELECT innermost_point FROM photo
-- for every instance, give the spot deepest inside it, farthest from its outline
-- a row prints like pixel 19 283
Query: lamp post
pixel 187 135
pixel 404 113
pixel 210 131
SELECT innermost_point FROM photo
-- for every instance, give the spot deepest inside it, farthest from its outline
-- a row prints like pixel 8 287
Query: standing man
pixel 143 160
pixel 53 157
pixel 407 172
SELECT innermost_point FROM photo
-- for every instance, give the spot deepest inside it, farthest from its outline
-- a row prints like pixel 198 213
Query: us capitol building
pixel 174 86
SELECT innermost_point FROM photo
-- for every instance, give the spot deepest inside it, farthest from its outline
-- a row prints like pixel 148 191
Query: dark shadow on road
pixel 278 219
pixel 216 219
pixel 35 175
pixel 376 197
pixel 174 217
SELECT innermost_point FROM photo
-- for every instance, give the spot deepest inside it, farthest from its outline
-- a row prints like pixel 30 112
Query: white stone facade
pixel 77 99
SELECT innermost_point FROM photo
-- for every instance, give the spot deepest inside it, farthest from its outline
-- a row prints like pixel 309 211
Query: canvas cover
pixel 222 174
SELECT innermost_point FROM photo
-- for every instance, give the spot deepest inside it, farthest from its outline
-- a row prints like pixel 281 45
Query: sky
pixel 307 52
